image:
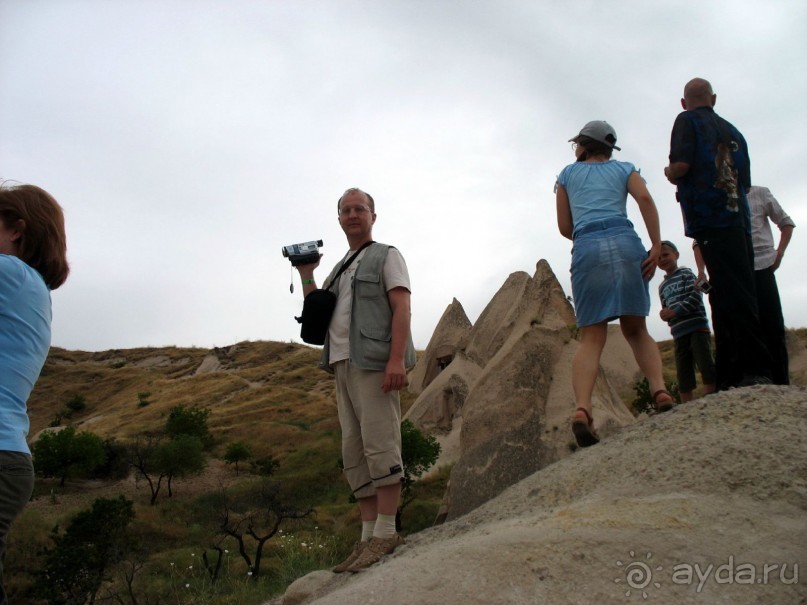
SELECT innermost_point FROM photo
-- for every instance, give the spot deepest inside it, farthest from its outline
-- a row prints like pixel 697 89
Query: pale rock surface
pixel 683 507
pixel 210 363
pixel 797 353
pixel 450 336
pixel 500 409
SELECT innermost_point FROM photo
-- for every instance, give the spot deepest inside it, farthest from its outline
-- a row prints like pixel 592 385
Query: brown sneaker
pixel 357 550
pixel 375 549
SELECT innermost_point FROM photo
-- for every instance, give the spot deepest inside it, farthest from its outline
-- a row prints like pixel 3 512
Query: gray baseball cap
pixel 600 131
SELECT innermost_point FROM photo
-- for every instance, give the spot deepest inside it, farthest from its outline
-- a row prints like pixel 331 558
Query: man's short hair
pixel 357 190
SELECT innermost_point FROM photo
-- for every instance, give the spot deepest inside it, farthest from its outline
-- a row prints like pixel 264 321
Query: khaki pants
pixel 371 429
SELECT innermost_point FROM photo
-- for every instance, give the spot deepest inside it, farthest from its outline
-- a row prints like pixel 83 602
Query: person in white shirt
pixel 767 258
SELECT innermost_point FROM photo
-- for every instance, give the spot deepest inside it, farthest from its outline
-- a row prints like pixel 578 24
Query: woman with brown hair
pixel 610 268
pixel 33 261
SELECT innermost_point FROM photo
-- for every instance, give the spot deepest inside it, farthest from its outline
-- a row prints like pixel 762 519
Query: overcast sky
pixel 189 140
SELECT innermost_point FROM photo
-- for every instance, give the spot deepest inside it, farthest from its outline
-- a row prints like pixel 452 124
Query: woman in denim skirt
pixel 610 269
pixel 33 262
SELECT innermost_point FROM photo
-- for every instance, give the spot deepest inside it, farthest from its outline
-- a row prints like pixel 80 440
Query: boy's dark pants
pixel 694 350
pixel 740 350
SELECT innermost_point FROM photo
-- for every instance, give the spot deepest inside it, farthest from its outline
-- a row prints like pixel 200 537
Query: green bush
pixel 66 453
pixel 83 555
pixel 238 451
pixel 77 403
pixel 266 465
pixel 643 402
pixel 192 421
pixel 116 464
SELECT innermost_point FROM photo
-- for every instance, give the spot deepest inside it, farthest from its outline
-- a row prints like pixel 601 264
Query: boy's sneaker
pixel 375 549
pixel 357 550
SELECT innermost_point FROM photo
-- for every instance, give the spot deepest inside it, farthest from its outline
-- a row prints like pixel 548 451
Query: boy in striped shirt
pixel 683 310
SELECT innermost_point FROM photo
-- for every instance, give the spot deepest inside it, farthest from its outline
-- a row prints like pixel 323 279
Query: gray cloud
pixel 188 144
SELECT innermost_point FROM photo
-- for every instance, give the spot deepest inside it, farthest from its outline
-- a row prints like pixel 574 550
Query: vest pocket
pixel 364 284
pixel 383 335
pixel 375 344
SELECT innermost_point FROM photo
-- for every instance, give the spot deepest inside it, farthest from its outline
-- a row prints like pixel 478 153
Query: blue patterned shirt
pixel 712 192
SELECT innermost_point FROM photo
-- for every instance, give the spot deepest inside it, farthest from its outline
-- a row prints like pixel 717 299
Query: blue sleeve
pixel 563 177
pixel 10 277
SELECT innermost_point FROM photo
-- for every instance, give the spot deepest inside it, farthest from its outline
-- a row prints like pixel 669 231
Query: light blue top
pixel 596 190
pixel 25 317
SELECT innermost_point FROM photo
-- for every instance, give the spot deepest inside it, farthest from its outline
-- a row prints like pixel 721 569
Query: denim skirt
pixel 606 272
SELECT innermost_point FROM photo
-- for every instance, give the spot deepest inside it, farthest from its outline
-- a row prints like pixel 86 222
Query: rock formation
pixel 497 395
pixel 450 336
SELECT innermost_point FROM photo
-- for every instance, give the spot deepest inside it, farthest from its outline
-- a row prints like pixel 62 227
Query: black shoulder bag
pixel 318 307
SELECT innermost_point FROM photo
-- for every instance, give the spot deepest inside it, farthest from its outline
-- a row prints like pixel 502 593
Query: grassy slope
pixel 270 395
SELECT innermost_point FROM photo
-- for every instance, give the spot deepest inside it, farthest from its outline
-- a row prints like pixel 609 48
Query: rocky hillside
pixel 704 504
pixel 268 394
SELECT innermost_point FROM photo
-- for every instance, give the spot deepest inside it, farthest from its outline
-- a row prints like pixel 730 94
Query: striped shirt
pixel 678 292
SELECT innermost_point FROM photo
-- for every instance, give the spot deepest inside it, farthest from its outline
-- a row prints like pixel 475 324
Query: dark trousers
pixel 740 351
pixel 773 324
pixel 16 486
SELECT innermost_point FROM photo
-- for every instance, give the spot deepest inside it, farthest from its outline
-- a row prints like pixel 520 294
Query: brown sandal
pixel 583 428
pixel 663 406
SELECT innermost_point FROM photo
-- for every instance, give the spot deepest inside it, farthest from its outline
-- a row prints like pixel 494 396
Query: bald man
pixel 710 166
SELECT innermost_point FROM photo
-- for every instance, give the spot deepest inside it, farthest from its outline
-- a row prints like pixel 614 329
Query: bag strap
pixel 346 264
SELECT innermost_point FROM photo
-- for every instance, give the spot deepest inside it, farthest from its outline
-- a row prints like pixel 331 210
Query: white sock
pixel 367 528
pixel 384 527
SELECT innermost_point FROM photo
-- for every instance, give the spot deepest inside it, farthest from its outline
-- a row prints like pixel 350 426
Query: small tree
pixel 94 541
pixel 179 457
pixel 142 459
pixel 62 453
pixel 258 517
pixel 189 421
pixel 156 459
pixel 237 452
pixel 419 453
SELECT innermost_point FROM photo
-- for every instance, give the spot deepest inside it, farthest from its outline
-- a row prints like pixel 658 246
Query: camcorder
pixel 303 254
pixel 703 286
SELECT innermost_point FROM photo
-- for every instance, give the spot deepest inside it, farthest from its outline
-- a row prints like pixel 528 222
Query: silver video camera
pixel 303 254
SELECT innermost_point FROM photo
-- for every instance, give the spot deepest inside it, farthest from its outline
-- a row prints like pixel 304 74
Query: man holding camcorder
pixel 369 348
